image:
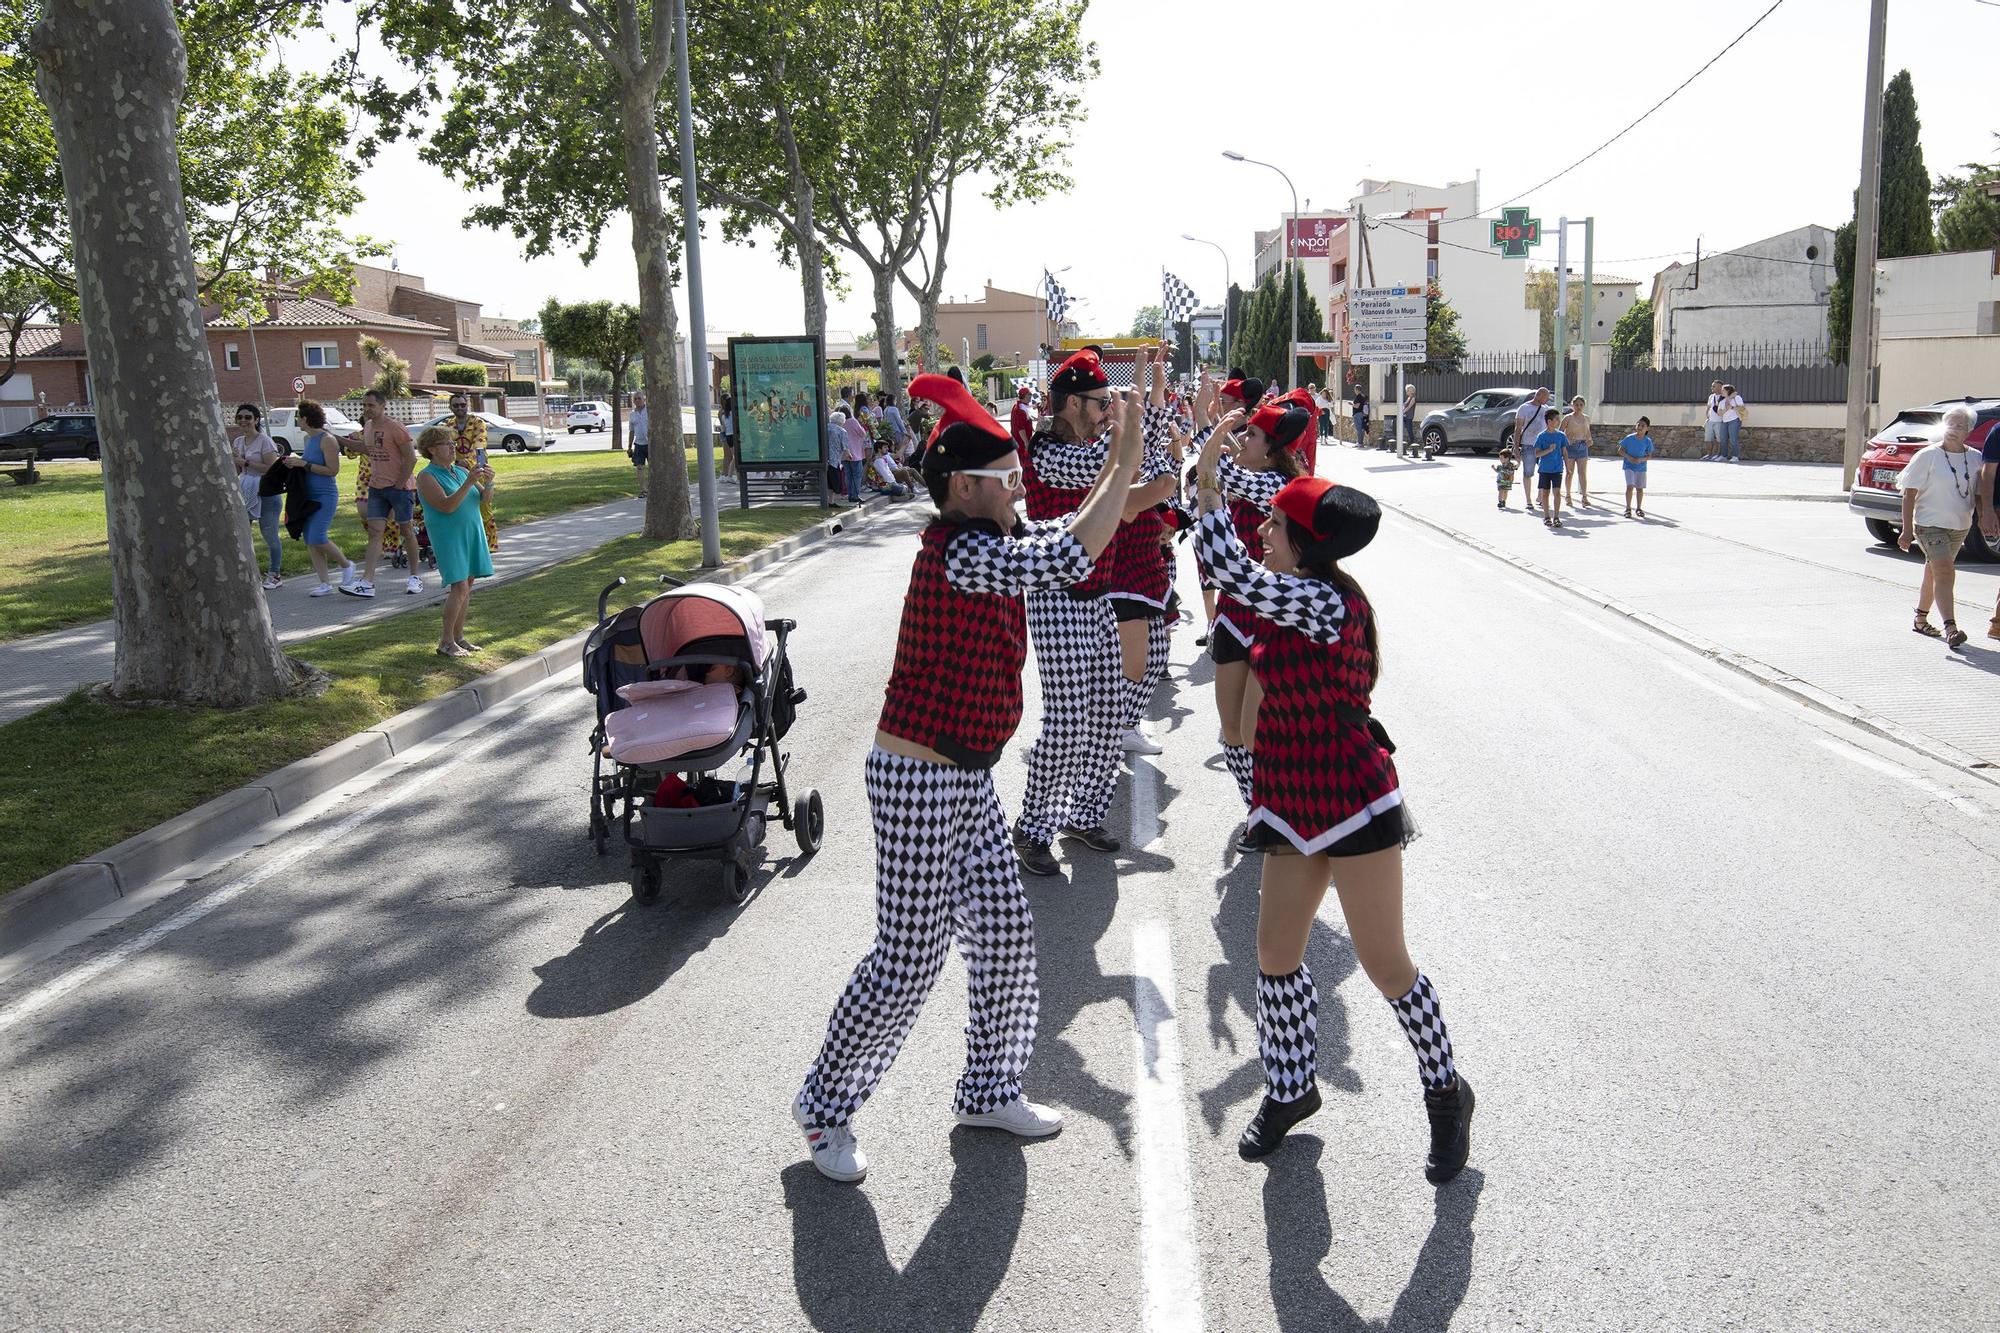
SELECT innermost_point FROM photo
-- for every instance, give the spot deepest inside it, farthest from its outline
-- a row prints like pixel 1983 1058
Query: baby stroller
pixel 685 684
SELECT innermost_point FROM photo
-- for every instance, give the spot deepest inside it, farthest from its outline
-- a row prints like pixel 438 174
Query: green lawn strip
pixel 55 571
pixel 80 775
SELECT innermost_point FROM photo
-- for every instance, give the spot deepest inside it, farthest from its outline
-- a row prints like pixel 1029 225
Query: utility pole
pixel 1861 318
pixel 704 438
pixel 1562 313
pixel 1589 328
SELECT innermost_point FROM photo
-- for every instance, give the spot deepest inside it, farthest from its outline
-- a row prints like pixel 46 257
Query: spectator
pixel 468 434
pixel 1549 467
pixel 392 469
pixel 458 541
pixel 854 457
pixel 1711 429
pixel 886 477
pixel 836 452
pixel 1731 426
pixel 955 373
pixel 1635 449
pixel 899 429
pixel 1989 506
pixel 1361 414
pixel 1410 416
pixel 1323 405
pixel 1576 452
pixel 1527 424
pixel 1021 424
pixel 320 456
pixel 637 441
pixel 727 422
pixel 256 454
pixel 1939 485
pixel 1503 473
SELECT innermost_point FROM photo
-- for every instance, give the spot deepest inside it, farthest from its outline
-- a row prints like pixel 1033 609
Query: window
pixel 322 356
pixel 980 337
pixel 231 358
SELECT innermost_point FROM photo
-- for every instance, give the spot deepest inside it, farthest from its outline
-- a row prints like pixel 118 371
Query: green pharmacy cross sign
pixel 1514 231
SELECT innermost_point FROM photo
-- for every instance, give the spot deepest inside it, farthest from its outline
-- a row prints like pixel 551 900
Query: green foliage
pixel 1903 220
pixel 1632 338
pixel 1232 314
pixel 392 379
pixel 984 363
pixel 1968 208
pixel 1146 322
pixel 459 372
pixel 1541 296
pixel 1444 343
pixel 604 332
pixel 25 295
pixel 519 388
pixel 266 158
pixel 1258 344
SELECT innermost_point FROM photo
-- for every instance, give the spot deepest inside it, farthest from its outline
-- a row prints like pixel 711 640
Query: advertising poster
pixel 778 410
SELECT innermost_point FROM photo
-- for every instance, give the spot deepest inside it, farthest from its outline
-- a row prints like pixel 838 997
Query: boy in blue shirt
pixel 1635 449
pixel 1548 453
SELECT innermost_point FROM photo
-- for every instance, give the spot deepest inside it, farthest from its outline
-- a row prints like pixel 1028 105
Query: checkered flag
pixel 1058 301
pixel 1177 300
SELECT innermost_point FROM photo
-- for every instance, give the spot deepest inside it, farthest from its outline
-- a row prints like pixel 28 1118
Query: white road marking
pixel 1144 804
pixel 1170 1266
pixel 1520 586
pixel 296 849
pixel 1712 687
pixel 1934 790
pixel 1596 628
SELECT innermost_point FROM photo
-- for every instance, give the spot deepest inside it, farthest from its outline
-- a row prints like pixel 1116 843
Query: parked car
pixel 589 414
pixel 501 432
pixel 282 424
pixel 64 435
pixel 1878 498
pixel 1482 423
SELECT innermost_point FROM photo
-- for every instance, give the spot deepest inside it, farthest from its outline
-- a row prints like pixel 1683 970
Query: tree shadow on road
pixel 1300 1234
pixel 841 1265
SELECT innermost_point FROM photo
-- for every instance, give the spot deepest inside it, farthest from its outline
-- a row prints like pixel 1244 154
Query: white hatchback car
pixel 589 415
pixel 283 424
pixel 503 433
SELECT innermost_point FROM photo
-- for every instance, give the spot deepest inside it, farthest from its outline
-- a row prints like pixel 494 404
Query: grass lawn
pixel 79 776
pixel 55 569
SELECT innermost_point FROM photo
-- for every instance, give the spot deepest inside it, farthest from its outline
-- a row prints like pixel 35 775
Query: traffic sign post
pixel 1387 327
pixel 298 384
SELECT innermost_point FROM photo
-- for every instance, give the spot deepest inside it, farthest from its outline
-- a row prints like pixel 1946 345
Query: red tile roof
pixel 45 340
pixel 311 312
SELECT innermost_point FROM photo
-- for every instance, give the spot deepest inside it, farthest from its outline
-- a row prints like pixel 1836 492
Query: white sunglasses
pixel 1008 477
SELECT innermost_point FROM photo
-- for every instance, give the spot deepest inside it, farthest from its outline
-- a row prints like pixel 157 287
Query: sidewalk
pixel 35 672
pixel 1752 563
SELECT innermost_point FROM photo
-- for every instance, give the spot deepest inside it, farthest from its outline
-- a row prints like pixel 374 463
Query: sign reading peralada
pixel 1386 326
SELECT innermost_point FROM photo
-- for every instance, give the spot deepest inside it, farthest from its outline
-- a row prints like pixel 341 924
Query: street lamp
pixel 1226 284
pixel 1291 279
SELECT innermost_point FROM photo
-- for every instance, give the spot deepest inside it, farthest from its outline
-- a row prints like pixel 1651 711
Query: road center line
pixel 1170 1265
pixel 296 849
pixel 1712 687
pixel 1145 803
pixel 1935 790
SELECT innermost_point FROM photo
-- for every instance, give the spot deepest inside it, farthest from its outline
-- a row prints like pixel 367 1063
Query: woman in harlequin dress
pixel 1326 804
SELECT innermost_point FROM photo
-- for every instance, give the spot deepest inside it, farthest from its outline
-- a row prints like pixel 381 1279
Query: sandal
pixel 1628 511
pixel 1993 628
pixel 453 651
pixel 1642 513
pixel 1924 626
pixel 1953 635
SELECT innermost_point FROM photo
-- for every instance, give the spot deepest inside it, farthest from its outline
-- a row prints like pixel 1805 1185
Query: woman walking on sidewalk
pixel 458 536
pixel 320 456
pixel 1939 488
pixel 1327 803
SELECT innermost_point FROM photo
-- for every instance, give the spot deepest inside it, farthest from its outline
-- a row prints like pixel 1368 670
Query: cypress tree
pixel 1903 220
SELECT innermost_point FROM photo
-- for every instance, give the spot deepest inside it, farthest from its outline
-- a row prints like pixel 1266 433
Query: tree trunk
pixel 668 514
pixel 885 332
pixel 191 623
pixel 617 408
pixel 927 334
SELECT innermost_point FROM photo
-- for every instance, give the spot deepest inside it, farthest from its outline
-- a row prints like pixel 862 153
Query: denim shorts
pixel 383 501
pixel 1635 477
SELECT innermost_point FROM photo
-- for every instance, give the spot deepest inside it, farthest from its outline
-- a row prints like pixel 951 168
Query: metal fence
pixel 1482 370
pixel 1761 372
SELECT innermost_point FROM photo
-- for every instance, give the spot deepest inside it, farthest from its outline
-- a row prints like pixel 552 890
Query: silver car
pixel 1482 423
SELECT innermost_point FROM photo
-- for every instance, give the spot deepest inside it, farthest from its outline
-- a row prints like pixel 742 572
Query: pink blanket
pixel 664 719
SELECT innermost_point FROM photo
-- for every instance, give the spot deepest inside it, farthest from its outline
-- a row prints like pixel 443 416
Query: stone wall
pixel 1768 444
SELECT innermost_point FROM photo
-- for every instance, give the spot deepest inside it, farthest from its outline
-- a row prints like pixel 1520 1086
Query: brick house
pixel 307 338
pixel 51 368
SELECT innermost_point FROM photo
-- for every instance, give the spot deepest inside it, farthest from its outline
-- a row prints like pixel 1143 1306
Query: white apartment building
pixel 1952 295
pixel 1770 291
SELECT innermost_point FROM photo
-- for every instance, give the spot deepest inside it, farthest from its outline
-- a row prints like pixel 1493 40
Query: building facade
pixel 1771 291
pixel 1952 295
pixel 1005 325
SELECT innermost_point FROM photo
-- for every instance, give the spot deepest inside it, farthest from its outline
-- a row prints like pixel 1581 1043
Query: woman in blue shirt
pixel 319 454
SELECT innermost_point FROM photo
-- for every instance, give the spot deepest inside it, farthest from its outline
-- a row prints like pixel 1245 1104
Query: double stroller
pixel 686 684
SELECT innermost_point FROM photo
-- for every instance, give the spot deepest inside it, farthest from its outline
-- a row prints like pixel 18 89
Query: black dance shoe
pixel 1245 843
pixel 1267 1129
pixel 1036 858
pixel 1098 839
pixel 1450 1110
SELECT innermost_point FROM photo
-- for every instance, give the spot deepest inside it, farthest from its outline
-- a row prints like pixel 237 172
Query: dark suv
pixel 65 435
pixel 1878 498
pixel 1482 423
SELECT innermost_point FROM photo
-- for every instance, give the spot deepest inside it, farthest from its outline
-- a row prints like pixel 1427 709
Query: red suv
pixel 1876 496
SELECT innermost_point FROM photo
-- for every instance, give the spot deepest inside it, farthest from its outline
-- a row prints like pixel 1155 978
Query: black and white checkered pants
pixel 1139 693
pixel 1073 764
pixel 944 872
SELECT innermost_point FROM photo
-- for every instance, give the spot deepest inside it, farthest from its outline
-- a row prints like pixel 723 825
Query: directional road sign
pixel 1386 325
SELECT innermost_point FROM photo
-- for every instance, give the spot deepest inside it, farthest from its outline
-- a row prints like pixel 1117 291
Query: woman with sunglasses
pixel 1326 803
pixel 944 871
pixel 256 454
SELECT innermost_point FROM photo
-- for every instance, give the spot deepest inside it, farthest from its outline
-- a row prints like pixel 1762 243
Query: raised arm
pixel 1311 606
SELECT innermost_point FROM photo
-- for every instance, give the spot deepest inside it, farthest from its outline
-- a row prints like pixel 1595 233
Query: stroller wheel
pixel 736 880
pixel 645 880
pixel 809 820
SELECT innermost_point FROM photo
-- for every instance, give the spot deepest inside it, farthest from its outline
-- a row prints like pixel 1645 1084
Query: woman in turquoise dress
pixel 458 538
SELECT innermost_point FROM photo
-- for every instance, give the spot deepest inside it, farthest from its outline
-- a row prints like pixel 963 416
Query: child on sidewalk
pixel 1503 471
pixel 1548 451
pixel 1635 449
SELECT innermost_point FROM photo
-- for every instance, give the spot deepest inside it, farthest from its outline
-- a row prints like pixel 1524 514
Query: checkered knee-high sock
pixel 1422 1015
pixel 1240 765
pixel 1288 1033
pixel 1139 693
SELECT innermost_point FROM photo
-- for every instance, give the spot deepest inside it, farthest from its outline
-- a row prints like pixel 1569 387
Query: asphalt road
pixel 1720 971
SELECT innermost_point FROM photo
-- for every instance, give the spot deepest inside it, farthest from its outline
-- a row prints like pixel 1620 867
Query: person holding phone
pixel 458 540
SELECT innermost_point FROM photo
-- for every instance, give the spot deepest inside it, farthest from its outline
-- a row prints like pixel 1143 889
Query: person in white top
pixel 1729 426
pixel 1711 427
pixel 1940 487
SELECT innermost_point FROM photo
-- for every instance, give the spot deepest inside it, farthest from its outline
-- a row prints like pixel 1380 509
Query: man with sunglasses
pixel 944 871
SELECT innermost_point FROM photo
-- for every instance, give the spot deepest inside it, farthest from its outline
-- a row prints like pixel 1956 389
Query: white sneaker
pixel 1019 1116
pixel 323 590
pixel 1138 742
pixel 347 574
pixel 835 1154
pixel 416 584
pixel 274 580
pixel 359 588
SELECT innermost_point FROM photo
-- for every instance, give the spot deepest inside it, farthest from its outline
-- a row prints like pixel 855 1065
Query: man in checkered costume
pixel 944 871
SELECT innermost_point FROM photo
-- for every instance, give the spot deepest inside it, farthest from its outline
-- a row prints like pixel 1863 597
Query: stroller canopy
pixel 673 620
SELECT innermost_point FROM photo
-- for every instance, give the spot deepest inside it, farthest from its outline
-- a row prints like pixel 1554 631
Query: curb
pixel 1812 696
pixel 76 891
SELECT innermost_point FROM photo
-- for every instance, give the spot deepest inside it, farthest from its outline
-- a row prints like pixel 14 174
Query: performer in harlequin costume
pixel 1073 764
pixel 1325 803
pixel 944 871
pixel 1209 408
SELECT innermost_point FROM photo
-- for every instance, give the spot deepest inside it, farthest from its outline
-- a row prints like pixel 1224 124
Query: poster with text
pixel 776 382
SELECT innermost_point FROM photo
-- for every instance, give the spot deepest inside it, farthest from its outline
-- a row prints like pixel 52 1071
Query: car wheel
pixel 1885 532
pixel 513 444
pixel 572 430
pixel 1977 548
pixel 1434 439
pixel 93 452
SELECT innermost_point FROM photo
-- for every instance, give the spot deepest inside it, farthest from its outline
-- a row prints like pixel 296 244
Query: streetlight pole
pixel 704 438
pixel 1861 316
pixel 1291 279
pixel 1227 283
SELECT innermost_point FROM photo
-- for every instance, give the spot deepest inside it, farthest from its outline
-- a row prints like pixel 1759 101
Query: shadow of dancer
pixel 1329 954
pixel 1300 1235
pixel 841 1266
